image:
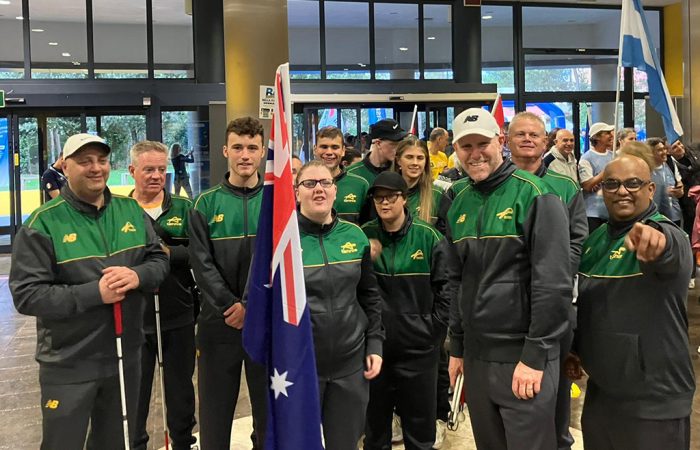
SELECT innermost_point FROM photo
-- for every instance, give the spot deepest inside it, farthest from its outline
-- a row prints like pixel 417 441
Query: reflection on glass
pixel 347 40
pixel 121 133
pixel 12 47
pixel 327 118
pixel 503 78
pixel 640 119
pixel 554 115
pixel 348 121
pixel 497 47
pixel 58 129
pixel 437 41
pixel 29 165
pixel 192 135
pixel 173 53
pixel 554 73
pixel 551 27
pixel 304 39
pixel 120 39
pixel 368 116
pixel 396 39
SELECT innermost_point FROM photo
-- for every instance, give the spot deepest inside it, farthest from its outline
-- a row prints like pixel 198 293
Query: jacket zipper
pixel 245 216
pixel 330 309
pixel 104 239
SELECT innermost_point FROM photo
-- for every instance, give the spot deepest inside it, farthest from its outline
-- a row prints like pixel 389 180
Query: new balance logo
pixel 473 118
pixel 462 218
pixel 51 404
pixel 128 228
pixel 218 218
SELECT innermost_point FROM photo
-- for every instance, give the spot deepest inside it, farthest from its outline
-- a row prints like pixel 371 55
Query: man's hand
pixel 647 241
pixel 374 366
pixel 165 248
pixel 108 295
pixel 526 381
pixel 676 191
pixel 234 316
pixel 375 249
pixel 455 368
pixel 120 279
pixel 572 367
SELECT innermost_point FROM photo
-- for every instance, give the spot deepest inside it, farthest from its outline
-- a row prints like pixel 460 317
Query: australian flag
pixel 277 330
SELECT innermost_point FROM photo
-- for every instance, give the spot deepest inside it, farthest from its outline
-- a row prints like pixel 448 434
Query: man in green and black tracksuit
pixel 527 141
pixel 168 213
pixel 352 189
pixel 386 135
pixel 512 309
pixel 73 259
pixel 632 334
pixel 417 283
pixel 222 227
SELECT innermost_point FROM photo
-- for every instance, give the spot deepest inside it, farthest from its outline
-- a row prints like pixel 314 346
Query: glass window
pixel 29 165
pixel 120 39
pixel 348 121
pixel 396 39
pixel 173 43
pixel 58 129
pixel 437 41
pixel 368 116
pixel 552 27
pixel 552 73
pixel 591 113
pixel 554 115
pixel 640 119
pixel 304 39
pixel 59 39
pixel 121 133
pixel 192 134
pixel 347 40
pixel 497 47
pixel 11 36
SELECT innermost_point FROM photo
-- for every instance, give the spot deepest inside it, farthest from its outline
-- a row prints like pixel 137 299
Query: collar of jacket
pixel 308 226
pixel 413 190
pixel 340 175
pixel 373 168
pixel 165 204
pixel 82 206
pixel 498 177
pixel 401 232
pixel 242 191
pixel 557 154
pixel 617 229
pixel 541 171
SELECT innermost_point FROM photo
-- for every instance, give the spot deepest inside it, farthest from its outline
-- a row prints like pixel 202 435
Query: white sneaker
pixel 691 285
pixel 440 431
pixel 396 431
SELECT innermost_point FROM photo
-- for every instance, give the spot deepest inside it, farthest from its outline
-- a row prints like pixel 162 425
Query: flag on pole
pixel 277 329
pixel 414 121
pixel 497 113
pixel 637 51
pixel 587 131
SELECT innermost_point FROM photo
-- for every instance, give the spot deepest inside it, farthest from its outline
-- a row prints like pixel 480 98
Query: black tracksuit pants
pixel 343 406
pixel 68 409
pixel 178 368
pixel 411 388
pixel 562 415
pixel 218 383
pixel 443 382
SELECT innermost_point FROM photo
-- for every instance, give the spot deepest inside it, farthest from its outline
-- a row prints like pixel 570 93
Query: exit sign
pixel 2 99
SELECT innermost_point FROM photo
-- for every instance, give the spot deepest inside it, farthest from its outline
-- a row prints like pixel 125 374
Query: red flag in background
pixel 497 112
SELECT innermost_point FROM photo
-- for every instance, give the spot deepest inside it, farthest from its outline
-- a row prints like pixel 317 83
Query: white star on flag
pixel 279 383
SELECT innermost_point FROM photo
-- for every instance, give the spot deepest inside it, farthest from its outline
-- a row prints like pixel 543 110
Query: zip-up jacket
pixel 222 227
pixel 342 295
pixel 57 262
pixel 417 283
pixel 175 293
pixel 516 280
pixel 632 333
pixel 351 196
pixel 365 170
pixel 413 202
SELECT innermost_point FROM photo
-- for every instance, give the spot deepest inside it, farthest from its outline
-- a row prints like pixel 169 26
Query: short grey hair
pixel 146 146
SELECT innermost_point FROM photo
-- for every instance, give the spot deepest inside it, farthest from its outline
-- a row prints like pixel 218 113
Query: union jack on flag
pixel 277 330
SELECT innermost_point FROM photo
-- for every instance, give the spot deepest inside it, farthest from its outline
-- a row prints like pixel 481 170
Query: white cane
pixel 117 309
pixel 456 414
pixel 160 369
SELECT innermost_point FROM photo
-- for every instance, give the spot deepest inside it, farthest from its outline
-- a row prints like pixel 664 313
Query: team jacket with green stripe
pixel 514 257
pixel 222 226
pixel 175 294
pixel 413 202
pixel 632 333
pixel 351 196
pixel 417 284
pixel 365 170
pixel 342 295
pixel 57 262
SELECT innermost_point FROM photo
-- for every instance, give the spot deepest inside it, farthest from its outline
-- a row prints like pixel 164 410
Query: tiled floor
pixel 20 417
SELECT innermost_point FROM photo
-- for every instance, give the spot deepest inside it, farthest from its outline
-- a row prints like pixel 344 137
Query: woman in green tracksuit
pixel 413 163
pixel 416 283
pixel 345 307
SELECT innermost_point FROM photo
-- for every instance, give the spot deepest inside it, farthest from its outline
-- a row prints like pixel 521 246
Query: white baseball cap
pixel 598 127
pixel 76 143
pixel 475 121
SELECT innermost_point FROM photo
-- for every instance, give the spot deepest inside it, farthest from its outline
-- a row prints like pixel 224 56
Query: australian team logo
pixel 418 255
pixel 128 228
pixel 348 247
pixel 506 214
pixel 174 222
pixel 617 254
pixel 350 198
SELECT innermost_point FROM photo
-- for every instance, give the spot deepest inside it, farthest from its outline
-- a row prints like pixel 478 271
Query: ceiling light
pixel 66 54
pixel 75 63
pixel 4 2
pixel 19 18
pixel 403 49
pixel 53 43
pixel 37 30
pixel 487 17
pixel 431 38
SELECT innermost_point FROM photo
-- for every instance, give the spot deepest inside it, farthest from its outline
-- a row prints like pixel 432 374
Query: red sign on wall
pixel 472 2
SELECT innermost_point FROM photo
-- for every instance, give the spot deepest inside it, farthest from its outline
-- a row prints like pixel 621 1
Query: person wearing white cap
pixel 73 259
pixel 590 171
pixel 512 308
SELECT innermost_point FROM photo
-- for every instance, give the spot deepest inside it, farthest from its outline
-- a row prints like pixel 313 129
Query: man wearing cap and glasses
pixel 73 258
pixel 632 334
pixel 590 172
pixel 512 308
pixel 385 136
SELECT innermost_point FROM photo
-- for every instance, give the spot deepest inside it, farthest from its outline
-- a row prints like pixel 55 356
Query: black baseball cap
pixel 387 129
pixel 389 180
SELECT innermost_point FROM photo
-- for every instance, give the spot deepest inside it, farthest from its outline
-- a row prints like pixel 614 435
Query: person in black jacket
pixel 182 177
pixel 345 307
pixel 222 228
pixel 73 259
pixel 417 284
pixel 149 163
pixel 632 335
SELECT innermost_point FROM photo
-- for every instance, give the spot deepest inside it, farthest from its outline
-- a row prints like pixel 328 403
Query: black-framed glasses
pixel 310 184
pixel 631 184
pixel 391 198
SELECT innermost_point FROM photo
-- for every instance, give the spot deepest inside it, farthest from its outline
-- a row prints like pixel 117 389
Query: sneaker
pixel 691 285
pixel 396 431
pixel 440 431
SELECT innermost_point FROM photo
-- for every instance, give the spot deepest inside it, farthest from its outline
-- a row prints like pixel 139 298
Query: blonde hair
pixel 425 182
pixel 640 150
pixel 312 163
pixel 146 146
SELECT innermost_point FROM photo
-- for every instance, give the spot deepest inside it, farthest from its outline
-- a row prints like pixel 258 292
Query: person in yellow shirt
pixel 436 145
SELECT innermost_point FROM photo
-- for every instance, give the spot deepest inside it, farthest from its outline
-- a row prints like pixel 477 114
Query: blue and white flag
pixel 277 330
pixel 637 51
pixel 587 131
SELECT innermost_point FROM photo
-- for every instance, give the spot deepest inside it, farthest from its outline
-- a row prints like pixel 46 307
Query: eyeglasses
pixel 310 184
pixel 612 185
pixel 391 198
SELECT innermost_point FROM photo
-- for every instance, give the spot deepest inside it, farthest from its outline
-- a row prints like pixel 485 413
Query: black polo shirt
pixel 52 179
